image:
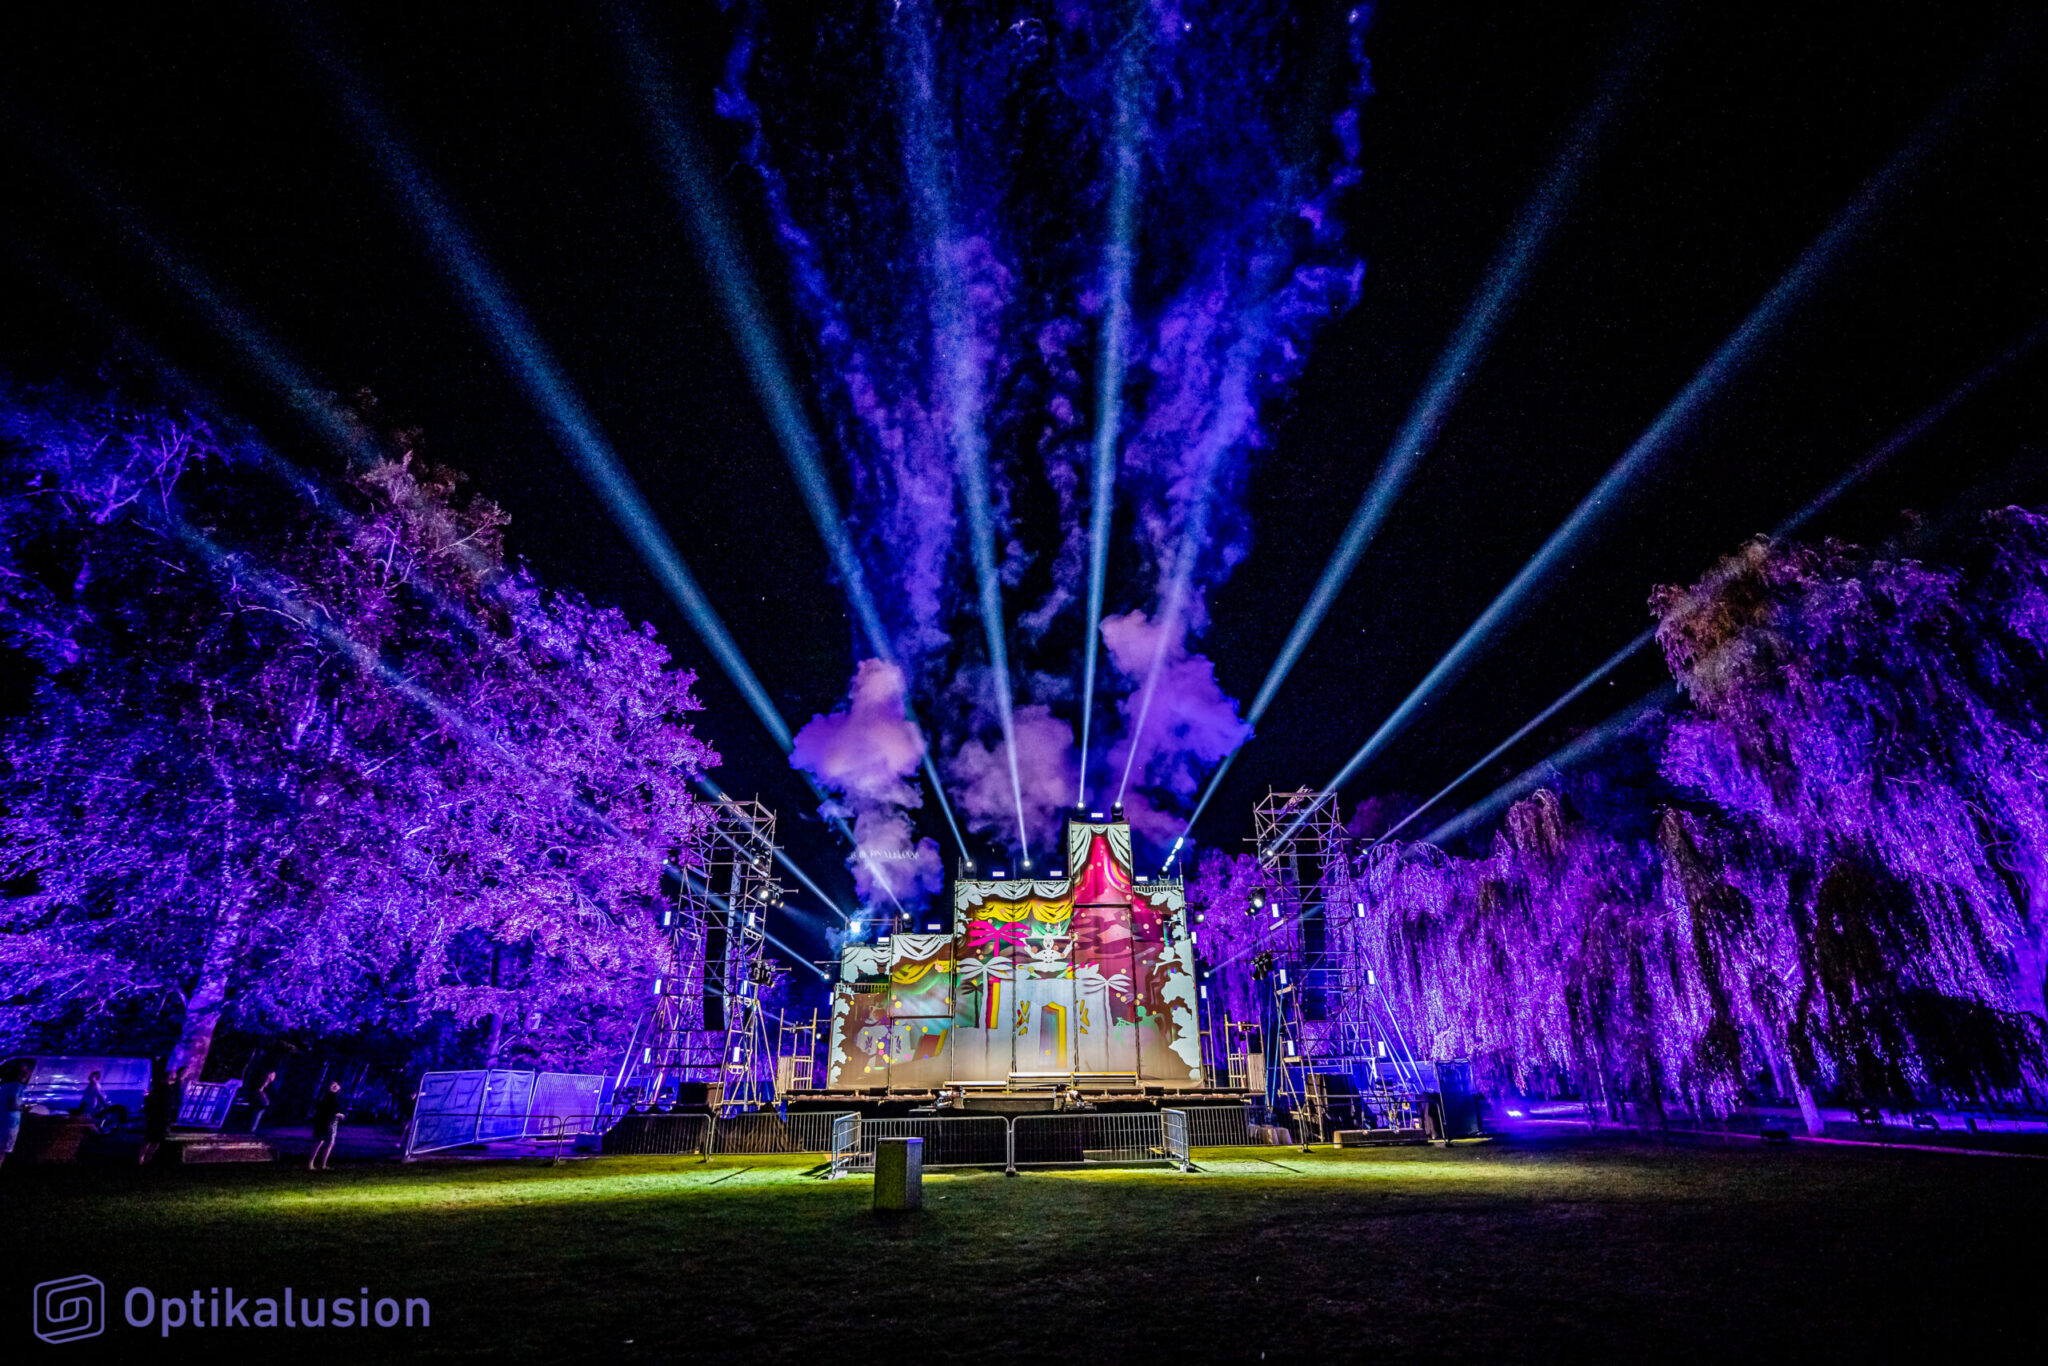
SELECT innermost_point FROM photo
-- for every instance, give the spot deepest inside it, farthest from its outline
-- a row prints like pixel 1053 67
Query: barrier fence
pixel 1173 1130
pixel 206 1104
pixel 654 1134
pixel 1041 1140
pixel 1217 1126
pixel 461 1109
pixel 748 1135
pixel 949 1141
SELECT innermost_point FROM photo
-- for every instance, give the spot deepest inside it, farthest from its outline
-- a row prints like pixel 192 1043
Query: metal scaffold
pixel 1334 1045
pixel 706 1024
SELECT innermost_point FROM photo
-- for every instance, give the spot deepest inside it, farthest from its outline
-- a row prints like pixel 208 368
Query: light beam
pixel 959 378
pixel 1706 384
pixel 1587 745
pixel 1505 276
pixel 1118 256
pixel 753 331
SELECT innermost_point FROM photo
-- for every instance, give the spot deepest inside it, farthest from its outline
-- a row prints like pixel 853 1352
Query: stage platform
pixel 1020 1101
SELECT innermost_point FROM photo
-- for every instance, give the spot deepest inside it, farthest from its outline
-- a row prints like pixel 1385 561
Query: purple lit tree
pixel 1837 888
pixel 342 773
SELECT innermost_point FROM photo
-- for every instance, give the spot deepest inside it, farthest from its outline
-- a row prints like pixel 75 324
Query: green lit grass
pixel 1478 1252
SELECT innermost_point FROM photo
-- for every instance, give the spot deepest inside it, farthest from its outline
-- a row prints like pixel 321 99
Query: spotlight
pixel 1116 812
pixel 1258 898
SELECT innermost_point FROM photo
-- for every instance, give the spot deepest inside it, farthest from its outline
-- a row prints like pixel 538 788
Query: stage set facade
pixel 1075 984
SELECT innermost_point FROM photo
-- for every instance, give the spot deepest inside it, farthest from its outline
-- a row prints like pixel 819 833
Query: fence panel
pixel 845 1143
pixel 1173 1127
pixel 764 1131
pixel 1218 1126
pixel 949 1141
pixel 657 1135
pixel 206 1104
pixel 444 1113
pixel 1052 1140
pixel 811 1131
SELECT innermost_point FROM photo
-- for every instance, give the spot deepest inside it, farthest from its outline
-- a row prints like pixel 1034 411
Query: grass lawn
pixel 1482 1252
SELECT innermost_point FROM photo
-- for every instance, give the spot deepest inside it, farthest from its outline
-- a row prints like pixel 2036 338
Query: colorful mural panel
pixel 1085 977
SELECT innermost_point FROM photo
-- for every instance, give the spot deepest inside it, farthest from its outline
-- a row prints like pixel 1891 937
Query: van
pixel 58 1085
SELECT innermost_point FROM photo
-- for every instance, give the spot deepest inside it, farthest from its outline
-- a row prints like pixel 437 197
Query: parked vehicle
pixel 58 1086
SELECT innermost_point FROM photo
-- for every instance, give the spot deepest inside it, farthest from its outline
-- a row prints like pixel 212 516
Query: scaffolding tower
pixel 796 1054
pixel 705 1023
pixel 1331 1015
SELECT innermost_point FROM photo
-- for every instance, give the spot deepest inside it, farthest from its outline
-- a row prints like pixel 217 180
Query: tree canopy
pixel 315 761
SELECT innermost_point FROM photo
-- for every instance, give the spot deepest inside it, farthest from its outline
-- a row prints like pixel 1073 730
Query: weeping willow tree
pixel 1833 886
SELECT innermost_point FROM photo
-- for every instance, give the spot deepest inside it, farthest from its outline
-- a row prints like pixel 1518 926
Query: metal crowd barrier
pixel 811 1132
pixel 652 1134
pixel 1218 1126
pixel 1173 1128
pixel 1071 1139
pixel 206 1104
pixel 949 1140
pixel 767 1132
pixel 845 1143
pixel 1025 1141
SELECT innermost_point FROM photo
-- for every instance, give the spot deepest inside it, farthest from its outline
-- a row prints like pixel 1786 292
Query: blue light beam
pixel 519 345
pixel 1512 263
pixel 1706 384
pixel 1579 750
pixel 1119 260
pixel 1879 456
pixel 958 376
pixel 733 283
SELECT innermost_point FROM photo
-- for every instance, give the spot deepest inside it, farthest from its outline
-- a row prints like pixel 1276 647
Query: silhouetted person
pixel 327 1116
pixel 94 1100
pixel 13 1088
pixel 159 1112
pixel 260 1100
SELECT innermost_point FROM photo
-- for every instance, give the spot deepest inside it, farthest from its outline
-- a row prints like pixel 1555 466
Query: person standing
pixel 94 1100
pixel 327 1117
pixel 260 1101
pixel 13 1089
pixel 159 1112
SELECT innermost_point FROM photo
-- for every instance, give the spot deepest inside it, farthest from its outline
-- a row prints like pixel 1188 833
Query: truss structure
pixel 1331 1016
pixel 706 1023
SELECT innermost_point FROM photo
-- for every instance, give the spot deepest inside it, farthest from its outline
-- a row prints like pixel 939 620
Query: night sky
pixel 1749 128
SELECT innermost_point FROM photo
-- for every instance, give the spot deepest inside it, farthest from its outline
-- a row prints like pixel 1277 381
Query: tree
pixel 306 765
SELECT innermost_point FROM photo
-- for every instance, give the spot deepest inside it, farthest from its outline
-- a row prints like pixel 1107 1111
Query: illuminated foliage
pixel 345 774
pixel 1832 881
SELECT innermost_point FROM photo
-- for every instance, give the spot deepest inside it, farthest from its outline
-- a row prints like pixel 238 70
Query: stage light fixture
pixel 1257 898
